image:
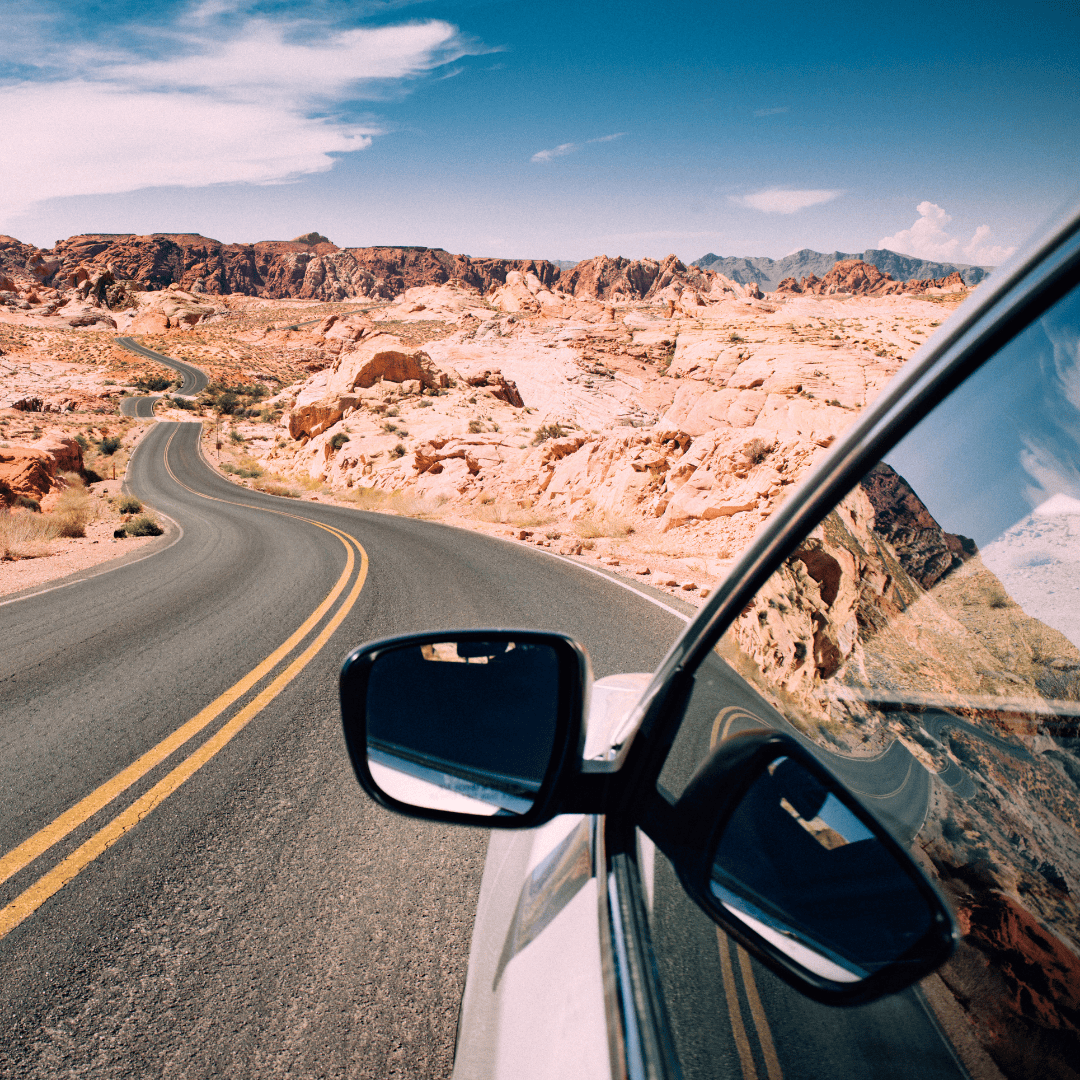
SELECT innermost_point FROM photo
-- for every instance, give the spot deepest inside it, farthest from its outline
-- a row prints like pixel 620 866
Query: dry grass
pixel 273 484
pixel 73 510
pixel 593 525
pixel 396 502
pixel 25 535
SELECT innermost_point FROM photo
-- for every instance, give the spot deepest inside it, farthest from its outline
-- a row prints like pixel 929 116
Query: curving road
pixel 192 883
pixel 195 380
pixel 262 917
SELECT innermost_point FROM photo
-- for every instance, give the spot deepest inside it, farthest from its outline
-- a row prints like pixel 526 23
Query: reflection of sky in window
pixel 840 819
pixel 1008 438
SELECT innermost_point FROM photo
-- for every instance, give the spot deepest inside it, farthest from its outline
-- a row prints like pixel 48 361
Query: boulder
pixel 32 469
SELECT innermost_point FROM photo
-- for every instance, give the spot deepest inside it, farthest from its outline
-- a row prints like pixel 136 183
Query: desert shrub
pixel 529 518
pixel 593 525
pixel 275 487
pixel 109 445
pixel 27 503
pixel 183 403
pixel 73 510
pixel 144 525
pixel 756 451
pixel 129 505
pixel 425 404
pixel 154 384
pixel 339 440
pixel 398 451
pixel 475 427
pixel 83 442
pixel 236 437
pixel 119 534
pixel 250 471
pixel 24 536
pixel 548 431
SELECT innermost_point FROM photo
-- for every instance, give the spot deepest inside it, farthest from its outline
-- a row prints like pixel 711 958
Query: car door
pixel 912 616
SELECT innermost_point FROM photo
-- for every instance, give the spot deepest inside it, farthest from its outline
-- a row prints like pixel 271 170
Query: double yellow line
pixel 720 730
pixel 28 901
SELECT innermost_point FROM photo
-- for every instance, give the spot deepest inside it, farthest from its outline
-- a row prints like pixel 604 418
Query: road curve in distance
pixel 195 380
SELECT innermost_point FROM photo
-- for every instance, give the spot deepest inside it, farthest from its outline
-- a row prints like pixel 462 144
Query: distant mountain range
pixel 768 273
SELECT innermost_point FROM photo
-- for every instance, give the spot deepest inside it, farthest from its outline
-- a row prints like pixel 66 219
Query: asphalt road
pixel 264 918
pixel 195 380
pixel 240 907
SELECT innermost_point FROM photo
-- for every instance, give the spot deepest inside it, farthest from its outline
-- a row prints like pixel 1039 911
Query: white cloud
pixel 569 148
pixel 556 151
pixel 248 100
pixel 784 201
pixel 928 239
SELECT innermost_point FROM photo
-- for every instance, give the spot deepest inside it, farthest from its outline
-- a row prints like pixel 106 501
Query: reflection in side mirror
pixel 797 866
pixel 799 872
pixel 467 725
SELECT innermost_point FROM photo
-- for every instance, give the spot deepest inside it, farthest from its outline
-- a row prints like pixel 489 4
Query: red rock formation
pixel 32 470
pixel 854 277
pixel 272 268
pixel 926 551
pixel 604 278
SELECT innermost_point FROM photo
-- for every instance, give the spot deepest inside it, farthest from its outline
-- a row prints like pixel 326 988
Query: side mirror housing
pixel 777 851
pixel 477 727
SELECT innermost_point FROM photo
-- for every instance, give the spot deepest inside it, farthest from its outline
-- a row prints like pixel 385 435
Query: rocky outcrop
pixel 853 277
pixel 331 394
pixel 32 470
pixel 925 550
pixel 500 388
pixel 274 268
pixel 620 279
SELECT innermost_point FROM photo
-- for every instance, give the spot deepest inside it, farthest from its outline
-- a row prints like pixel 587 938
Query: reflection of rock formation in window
pixel 925 550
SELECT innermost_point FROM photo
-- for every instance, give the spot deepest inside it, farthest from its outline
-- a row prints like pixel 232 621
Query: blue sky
pixel 548 130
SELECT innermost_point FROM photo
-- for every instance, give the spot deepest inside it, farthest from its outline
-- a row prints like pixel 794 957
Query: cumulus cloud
pixel 565 148
pixel 929 239
pixel 784 200
pixel 215 97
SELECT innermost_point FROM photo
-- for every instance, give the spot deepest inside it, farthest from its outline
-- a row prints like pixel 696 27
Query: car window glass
pixel 925 639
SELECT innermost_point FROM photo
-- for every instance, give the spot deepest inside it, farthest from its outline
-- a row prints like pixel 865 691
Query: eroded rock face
pixel 32 470
pixel 925 550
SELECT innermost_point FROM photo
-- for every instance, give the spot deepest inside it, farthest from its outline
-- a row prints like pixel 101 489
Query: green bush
pixel 28 503
pixel 339 440
pixel 83 442
pixel 153 384
pixel 109 445
pixel 144 525
pixel 398 451
pixel 129 505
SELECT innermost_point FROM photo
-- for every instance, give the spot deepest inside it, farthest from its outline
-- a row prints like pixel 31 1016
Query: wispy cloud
pixel 784 200
pixel 771 112
pixel 928 239
pixel 563 149
pixel 214 96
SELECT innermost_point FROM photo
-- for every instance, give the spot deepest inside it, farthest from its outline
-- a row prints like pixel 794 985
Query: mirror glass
pixel 803 869
pixel 466 726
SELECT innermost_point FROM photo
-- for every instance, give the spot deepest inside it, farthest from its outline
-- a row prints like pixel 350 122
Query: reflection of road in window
pixel 938 607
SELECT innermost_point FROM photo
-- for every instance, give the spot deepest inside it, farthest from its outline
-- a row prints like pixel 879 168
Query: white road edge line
pixel 592 570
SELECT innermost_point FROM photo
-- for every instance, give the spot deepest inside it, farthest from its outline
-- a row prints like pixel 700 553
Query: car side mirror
pixel 778 852
pixel 468 726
